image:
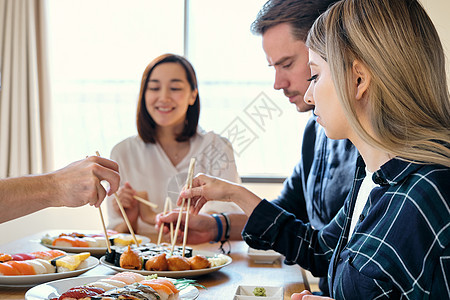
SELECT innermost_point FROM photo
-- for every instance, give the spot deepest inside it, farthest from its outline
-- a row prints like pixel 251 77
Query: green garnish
pixel 259 291
pixel 183 283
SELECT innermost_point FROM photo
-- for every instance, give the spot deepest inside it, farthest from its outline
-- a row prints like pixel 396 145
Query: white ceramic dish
pixel 245 292
pixel 31 280
pixel 93 250
pixel 263 256
pixel 174 274
pixel 56 288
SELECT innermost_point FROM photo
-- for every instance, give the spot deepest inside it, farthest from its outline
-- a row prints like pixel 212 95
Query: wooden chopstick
pixel 186 223
pixel 103 221
pixel 125 217
pixel 146 202
pixel 171 223
pixel 104 230
pixel 188 207
pixel 166 206
pixel 124 214
pixel 189 180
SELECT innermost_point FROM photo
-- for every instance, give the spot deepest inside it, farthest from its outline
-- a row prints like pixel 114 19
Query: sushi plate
pixel 174 274
pixel 32 280
pixel 98 251
pixel 54 289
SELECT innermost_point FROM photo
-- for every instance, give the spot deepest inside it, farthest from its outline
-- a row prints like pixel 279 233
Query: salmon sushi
pixel 8 270
pixel 23 267
pixel 48 255
pixel 69 241
pixel 167 283
pixel 5 257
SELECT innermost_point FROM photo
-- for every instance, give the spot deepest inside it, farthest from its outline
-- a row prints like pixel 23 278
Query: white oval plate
pixel 174 274
pixel 55 288
pixel 92 250
pixel 31 280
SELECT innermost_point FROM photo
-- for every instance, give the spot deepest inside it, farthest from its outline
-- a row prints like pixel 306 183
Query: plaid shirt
pixel 401 245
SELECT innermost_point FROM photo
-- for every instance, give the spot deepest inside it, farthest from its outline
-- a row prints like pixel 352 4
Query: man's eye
pixel 313 78
pixel 287 65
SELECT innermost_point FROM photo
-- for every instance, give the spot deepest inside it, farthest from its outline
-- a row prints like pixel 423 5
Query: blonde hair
pixel 408 94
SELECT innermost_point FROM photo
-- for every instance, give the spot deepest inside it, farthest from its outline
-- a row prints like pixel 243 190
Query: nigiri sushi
pixel 128 277
pixel 70 262
pixel 5 257
pixel 23 267
pixel 8 270
pixel 49 254
pixel 26 267
pixel 69 241
pixel 165 292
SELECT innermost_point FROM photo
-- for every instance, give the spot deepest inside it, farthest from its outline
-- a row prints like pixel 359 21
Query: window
pixel 99 49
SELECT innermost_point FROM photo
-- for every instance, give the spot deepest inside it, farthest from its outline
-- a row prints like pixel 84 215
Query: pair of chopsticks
pixel 124 214
pixel 189 185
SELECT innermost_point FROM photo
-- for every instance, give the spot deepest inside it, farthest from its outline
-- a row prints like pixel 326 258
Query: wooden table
pixel 220 285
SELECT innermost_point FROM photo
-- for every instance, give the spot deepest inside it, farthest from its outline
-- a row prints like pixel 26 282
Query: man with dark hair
pixel 320 182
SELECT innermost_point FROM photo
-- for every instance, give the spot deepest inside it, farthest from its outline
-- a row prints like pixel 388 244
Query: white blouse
pixel 147 168
pixel 363 195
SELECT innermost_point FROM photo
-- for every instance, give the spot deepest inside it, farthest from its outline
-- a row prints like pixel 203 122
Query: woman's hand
pixel 146 213
pixel 207 188
pixel 306 295
pixel 202 227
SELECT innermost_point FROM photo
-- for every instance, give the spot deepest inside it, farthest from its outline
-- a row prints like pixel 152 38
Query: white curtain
pixel 24 98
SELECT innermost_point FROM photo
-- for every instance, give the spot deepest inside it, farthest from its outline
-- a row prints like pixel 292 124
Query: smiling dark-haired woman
pixel 154 163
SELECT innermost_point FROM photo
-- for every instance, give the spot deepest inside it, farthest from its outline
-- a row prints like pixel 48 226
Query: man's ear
pixel 361 78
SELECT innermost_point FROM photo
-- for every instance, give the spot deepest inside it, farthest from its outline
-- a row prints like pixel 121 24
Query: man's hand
pixel 79 183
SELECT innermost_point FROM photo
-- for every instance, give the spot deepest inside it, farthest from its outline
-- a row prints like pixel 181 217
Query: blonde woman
pixel 378 79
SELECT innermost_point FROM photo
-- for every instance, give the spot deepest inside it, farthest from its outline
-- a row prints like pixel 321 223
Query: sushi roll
pixel 110 256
